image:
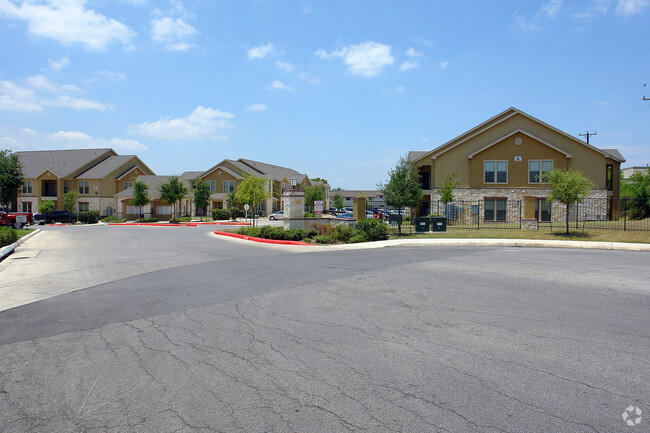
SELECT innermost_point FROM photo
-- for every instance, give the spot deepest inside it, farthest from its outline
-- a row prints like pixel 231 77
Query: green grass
pixel 23 232
pixel 594 235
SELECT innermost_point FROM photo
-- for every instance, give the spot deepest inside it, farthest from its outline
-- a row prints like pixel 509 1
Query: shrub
pixel 149 220
pixel 344 232
pixel 226 214
pixel 324 239
pixel 183 220
pixel 88 217
pixel 277 233
pixel 358 237
pixel 7 236
pixel 310 215
pixel 113 219
pixel 374 230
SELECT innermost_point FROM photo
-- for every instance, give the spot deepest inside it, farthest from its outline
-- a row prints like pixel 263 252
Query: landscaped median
pixel 261 240
pixel 183 224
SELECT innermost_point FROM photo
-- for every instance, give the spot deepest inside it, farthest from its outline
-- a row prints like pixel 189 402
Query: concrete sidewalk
pixel 9 249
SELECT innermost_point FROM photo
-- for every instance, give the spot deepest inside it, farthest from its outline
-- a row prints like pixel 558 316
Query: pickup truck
pixel 60 216
pixel 15 219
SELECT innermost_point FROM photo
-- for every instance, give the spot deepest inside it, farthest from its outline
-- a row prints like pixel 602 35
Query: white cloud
pixel 411 52
pixel 201 123
pixel 69 22
pixel 27 99
pixel 547 11
pixel 305 76
pixel 366 59
pixel 279 85
pixel 630 7
pixel 256 107
pixel 284 66
pixel 443 65
pixel 111 76
pixel 262 51
pixel 550 8
pixel 409 64
pixel 174 33
pixel 28 139
pixel 57 65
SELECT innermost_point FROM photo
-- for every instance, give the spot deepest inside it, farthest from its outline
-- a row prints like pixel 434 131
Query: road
pixel 160 329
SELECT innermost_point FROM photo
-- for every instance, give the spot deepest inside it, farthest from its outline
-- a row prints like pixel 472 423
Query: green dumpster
pixel 438 224
pixel 422 224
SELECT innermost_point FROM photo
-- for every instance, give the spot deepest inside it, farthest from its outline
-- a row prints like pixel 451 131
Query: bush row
pixel 88 217
pixel 225 214
pixel 277 233
pixel 366 230
pixel 113 219
pixel 7 236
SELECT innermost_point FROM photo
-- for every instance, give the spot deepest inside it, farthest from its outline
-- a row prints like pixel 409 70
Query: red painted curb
pixel 261 240
pixel 232 224
pixel 153 224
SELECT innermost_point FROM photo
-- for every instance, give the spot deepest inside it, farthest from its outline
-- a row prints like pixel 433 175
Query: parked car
pixel 15 219
pixel 61 216
pixel 345 215
pixel 277 215
pixel 39 219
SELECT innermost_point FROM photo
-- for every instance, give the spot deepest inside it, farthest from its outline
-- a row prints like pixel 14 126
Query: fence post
pixel 625 217
pixel 478 217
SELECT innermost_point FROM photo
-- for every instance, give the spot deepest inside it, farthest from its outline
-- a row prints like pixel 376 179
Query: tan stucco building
pixel 504 159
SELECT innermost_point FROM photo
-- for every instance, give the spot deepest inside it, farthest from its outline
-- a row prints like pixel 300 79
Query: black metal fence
pixel 502 213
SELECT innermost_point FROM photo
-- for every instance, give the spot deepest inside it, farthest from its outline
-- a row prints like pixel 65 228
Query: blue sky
pixel 334 89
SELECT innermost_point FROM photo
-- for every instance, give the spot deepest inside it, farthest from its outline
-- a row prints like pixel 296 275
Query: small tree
pixel 312 194
pixel 252 190
pixel 201 196
pixel 568 187
pixel 172 192
pixel 70 199
pixel 403 187
pixel 11 177
pixel 46 206
pixel 140 196
pixel 233 201
pixel 337 201
pixel 637 187
pixel 447 190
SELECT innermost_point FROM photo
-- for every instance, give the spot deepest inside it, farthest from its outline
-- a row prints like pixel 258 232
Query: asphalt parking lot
pixel 173 329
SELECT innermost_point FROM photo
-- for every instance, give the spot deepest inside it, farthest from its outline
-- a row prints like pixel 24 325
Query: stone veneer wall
pixel 596 208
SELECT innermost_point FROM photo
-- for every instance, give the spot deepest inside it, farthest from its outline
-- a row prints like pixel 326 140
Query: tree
pixel 11 177
pixel 403 187
pixel 46 206
pixel 172 192
pixel 232 204
pixel 637 188
pixel 312 194
pixel 337 201
pixel 447 190
pixel 252 190
pixel 70 200
pixel 568 187
pixel 201 196
pixel 140 195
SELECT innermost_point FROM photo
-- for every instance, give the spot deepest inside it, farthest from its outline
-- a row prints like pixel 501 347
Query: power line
pixel 588 134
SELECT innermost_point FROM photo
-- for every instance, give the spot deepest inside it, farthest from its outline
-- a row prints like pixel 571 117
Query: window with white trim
pixel 27 187
pixel 27 206
pixel 228 186
pixel 127 185
pixel 537 168
pixel 213 186
pixel 495 171
pixel 83 207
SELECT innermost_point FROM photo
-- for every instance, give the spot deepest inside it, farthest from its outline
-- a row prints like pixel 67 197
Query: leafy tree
pixel 201 196
pixel 11 176
pixel 403 187
pixel 319 179
pixel 337 201
pixel 140 195
pixel 172 192
pixel 314 193
pixel 46 206
pixel 447 190
pixel 252 190
pixel 637 187
pixel 70 200
pixel 568 187
pixel 233 201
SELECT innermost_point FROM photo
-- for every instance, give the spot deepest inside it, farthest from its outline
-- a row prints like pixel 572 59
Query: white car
pixel 277 216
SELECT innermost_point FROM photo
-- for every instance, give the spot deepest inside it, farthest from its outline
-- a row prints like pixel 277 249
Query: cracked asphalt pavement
pixel 173 330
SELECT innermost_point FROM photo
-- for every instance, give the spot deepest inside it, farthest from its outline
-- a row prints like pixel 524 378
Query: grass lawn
pixel 23 232
pixel 596 235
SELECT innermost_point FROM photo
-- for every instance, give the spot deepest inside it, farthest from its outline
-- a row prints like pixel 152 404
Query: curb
pixel 9 249
pixel 260 240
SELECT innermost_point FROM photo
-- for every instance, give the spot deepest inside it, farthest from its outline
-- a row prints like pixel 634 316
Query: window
pixel 537 168
pixel 27 206
pixel 84 186
pixel 228 186
pixel 495 171
pixel 495 209
pixel 27 187
pixel 543 210
pixel 127 185
pixel 83 207
pixel 425 179
pixel 213 186
pixel 609 177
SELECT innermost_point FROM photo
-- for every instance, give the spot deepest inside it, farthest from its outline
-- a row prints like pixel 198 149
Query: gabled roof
pixel 153 183
pixel 275 171
pixel 519 131
pixel 109 165
pixel 241 166
pixel 191 175
pixel 62 163
pixel 499 118
pixel 614 154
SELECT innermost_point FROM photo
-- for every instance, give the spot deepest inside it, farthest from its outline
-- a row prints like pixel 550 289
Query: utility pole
pixel 588 134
